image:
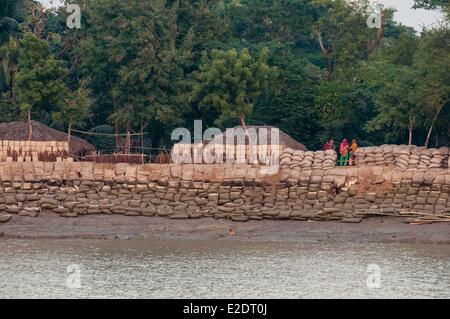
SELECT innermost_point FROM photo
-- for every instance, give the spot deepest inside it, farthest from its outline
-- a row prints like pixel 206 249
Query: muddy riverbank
pixel 377 229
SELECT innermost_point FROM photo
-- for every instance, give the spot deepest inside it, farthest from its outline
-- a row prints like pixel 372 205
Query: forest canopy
pixel 313 68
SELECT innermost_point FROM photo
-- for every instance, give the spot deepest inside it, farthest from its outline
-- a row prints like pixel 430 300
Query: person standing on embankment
pixel 329 145
pixel 344 150
pixel 353 149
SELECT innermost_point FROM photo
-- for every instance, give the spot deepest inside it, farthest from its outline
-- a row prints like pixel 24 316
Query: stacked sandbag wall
pixel 236 192
pixel 403 157
pixel 308 160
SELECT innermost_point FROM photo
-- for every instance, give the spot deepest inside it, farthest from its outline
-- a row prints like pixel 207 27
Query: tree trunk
pixel 330 71
pixel 436 116
pixel 30 126
pixel 326 55
pixel 375 44
pixel 447 136
pixel 13 83
pixel 116 125
pixel 142 143
pixel 410 128
pixel 69 136
pixel 128 139
pixel 116 122
pixel 427 142
pixel 39 23
pixel 244 126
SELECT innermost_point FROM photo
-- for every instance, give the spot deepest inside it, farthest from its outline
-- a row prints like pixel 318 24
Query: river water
pixel 221 269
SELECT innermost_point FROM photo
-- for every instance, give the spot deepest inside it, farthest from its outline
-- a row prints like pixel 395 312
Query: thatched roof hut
pixel 285 140
pixel 258 143
pixel 19 131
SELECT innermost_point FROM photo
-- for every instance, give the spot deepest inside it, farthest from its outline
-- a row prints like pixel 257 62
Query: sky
pixel 406 15
pixel 416 18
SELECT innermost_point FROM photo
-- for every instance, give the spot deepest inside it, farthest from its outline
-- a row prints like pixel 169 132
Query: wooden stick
pixel 431 221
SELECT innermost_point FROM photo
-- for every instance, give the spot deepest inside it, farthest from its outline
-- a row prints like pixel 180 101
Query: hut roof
pixel 284 139
pixel 18 131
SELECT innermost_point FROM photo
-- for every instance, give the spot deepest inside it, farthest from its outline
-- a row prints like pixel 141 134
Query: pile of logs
pixel 414 218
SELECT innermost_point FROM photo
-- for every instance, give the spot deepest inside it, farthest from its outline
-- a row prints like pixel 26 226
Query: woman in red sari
pixel 329 145
pixel 344 149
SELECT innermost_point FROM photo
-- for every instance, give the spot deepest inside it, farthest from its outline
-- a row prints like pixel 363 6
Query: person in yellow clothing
pixel 353 149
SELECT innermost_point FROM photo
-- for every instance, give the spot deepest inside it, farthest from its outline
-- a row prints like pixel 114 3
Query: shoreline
pixel 51 226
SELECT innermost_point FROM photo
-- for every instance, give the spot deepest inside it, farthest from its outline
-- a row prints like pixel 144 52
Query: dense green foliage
pixel 39 80
pixel 230 82
pixel 311 67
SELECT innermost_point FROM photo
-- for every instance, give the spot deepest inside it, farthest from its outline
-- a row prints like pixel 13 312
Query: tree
pixel 392 78
pixel 431 4
pixel 39 83
pixel 9 58
pixel 433 83
pixel 230 81
pixel 443 5
pixel 7 112
pixel 289 101
pixel 344 105
pixel 343 35
pixel 141 57
pixel 395 101
pixel 147 69
pixel 75 109
pixel 265 21
pixel 9 18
